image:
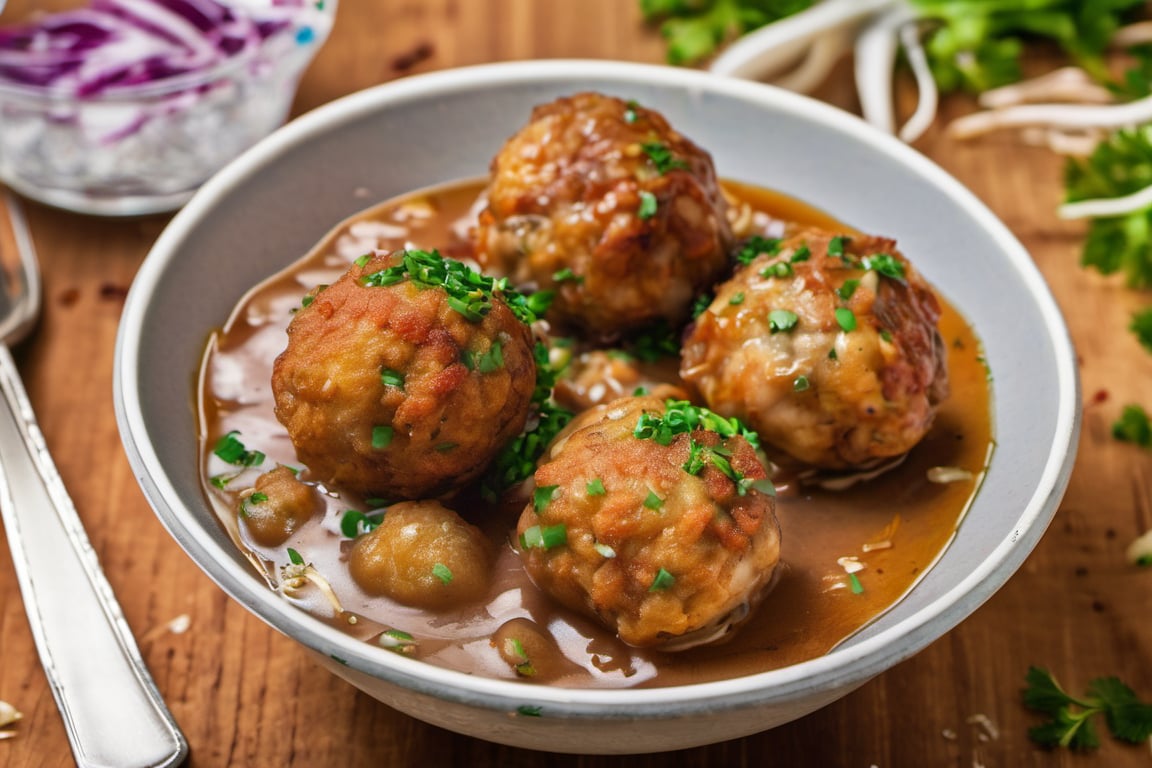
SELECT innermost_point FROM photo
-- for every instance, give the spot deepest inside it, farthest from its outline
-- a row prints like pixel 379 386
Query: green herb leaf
pixel 294 557
pixel 1133 426
pixel 885 264
pixel 544 537
pixel 595 487
pixel 780 320
pixel 381 437
pixel 755 246
pixel 694 29
pixel 664 580
pixel 653 500
pixel 542 496
pixel 391 378
pixel 662 157
pixel 1070 724
pixel 846 319
pixel 230 449
pixel 648 205
pixel 442 572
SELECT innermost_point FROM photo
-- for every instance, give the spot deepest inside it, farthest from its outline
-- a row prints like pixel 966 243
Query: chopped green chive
pixel 397 640
pixel 442 572
pixel 528 710
pixel 256 498
pixel 544 537
pixel 381 437
pixel 782 320
pixel 493 359
pixel 445 447
pixel 837 245
pixel 803 253
pixel 845 318
pixel 542 497
pixel 756 245
pixel 886 335
pixel 664 580
pixel 737 299
pixel 469 292
pixel 630 111
pixel 854 584
pixel 648 205
pixel 884 263
pixel 354 522
pixel 230 449
pixel 595 487
pixel 391 378
pixel 653 501
pixel 566 275
pixel 832 354
pixel 362 260
pixel 662 157
pixel 778 269
pixel 681 416
pixel 800 384
pixel 846 290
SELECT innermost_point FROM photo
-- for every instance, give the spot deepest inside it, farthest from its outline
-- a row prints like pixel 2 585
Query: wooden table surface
pixel 246 696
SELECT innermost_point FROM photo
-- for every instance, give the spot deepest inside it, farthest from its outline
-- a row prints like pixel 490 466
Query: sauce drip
pixel 847 555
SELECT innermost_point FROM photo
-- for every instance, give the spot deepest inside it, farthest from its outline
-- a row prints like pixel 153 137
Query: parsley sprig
pixel 694 29
pixel 1071 724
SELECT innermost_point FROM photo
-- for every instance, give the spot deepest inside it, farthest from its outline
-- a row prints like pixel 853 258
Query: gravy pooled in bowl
pixel 577 515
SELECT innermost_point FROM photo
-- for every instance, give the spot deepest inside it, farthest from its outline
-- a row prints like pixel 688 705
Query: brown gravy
pixel 894 526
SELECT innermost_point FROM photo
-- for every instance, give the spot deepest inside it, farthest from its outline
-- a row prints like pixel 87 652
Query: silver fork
pixel 112 711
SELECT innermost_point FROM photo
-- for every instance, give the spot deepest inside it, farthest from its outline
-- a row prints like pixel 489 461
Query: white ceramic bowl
pixel 272 204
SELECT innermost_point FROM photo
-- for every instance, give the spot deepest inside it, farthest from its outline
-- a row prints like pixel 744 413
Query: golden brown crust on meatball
pixel 602 201
pixel 278 505
pixel 390 391
pixel 828 347
pixel 422 554
pixel 650 536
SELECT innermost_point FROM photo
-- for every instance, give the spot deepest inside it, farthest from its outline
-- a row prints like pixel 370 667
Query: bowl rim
pixel 845 666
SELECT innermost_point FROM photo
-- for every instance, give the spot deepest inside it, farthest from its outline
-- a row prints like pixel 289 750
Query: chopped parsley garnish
pixel 846 319
pixel 648 205
pixel 803 253
pixel 542 497
pixel 493 359
pixel 255 498
pixel 800 384
pixel 391 378
pixel 1071 724
pixel 230 449
pixel 595 487
pixel 846 290
pixel 1133 426
pixel 756 245
pixel 778 269
pixel 631 111
pixel 662 157
pixel 517 460
pixel 701 304
pixel 655 342
pixel 780 320
pixel 442 572
pixel 694 30
pixel 836 246
pixel 469 292
pixel 664 580
pixel 885 264
pixel 681 417
pixel 566 275
pixel 544 536
pixel 381 437
pixel 294 557
pixel 354 522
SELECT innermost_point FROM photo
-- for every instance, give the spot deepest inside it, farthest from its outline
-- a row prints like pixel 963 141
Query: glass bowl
pixel 170 119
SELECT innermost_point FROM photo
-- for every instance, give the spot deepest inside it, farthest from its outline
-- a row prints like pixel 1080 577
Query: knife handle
pixel 112 710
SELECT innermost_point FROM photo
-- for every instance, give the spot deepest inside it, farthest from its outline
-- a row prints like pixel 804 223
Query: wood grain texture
pixel 246 696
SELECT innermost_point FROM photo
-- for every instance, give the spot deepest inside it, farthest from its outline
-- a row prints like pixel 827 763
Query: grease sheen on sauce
pixel 895 526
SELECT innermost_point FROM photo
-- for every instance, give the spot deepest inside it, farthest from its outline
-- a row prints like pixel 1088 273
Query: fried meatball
pixel 828 347
pixel 278 505
pixel 391 387
pixel 422 554
pixel 665 533
pixel 602 201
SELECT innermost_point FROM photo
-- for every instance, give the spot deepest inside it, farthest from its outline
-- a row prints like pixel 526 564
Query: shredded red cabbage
pixel 113 45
